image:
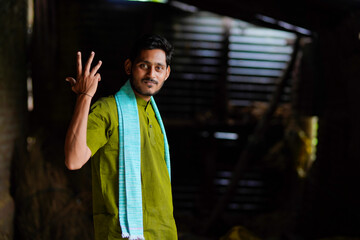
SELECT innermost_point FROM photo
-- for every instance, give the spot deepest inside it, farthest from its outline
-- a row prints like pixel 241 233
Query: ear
pixel 168 70
pixel 127 66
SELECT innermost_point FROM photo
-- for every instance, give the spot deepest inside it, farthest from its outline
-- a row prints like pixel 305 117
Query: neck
pixel 146 98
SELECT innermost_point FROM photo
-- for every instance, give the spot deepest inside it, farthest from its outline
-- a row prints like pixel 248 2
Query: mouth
pixel 150 82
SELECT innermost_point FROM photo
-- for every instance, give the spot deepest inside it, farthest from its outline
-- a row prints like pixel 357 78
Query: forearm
pixel 77 153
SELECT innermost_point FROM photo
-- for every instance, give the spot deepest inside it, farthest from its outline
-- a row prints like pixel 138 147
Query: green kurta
pixel 103 141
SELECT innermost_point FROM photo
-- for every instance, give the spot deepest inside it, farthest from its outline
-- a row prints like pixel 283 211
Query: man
pixel 125 138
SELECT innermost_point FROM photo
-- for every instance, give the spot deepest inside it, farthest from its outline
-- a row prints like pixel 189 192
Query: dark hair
pixel 149 42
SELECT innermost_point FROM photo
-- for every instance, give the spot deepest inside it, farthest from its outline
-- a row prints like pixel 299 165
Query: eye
pixel 159 68
pixel 143 66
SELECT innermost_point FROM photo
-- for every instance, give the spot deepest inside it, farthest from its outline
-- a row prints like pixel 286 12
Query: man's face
pixel 148 72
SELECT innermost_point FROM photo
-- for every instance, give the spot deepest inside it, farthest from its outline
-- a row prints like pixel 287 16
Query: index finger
pixel 79 64
pixel 89 61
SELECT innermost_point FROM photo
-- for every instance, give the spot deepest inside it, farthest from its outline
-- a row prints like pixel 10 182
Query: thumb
pixel 71 80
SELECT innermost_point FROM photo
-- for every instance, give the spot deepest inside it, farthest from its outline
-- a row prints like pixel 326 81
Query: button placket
pixel 151 130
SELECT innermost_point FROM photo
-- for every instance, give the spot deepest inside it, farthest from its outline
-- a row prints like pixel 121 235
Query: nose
pixel 151 72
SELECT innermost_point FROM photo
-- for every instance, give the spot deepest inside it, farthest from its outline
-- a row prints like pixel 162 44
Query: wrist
pixel 85 94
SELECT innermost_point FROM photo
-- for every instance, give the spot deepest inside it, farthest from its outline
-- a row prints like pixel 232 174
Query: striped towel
pixel 130 196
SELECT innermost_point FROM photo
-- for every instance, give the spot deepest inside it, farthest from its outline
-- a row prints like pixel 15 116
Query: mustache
pixel 150 80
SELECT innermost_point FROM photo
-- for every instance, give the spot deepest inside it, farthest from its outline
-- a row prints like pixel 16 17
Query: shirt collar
pixel 141 102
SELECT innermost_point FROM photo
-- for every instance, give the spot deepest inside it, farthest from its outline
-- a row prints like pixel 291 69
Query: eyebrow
pixel 147 62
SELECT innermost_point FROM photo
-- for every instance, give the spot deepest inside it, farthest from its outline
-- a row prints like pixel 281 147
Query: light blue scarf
pixel 130 196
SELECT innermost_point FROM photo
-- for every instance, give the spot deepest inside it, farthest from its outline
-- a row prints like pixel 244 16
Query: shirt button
pixel 150 126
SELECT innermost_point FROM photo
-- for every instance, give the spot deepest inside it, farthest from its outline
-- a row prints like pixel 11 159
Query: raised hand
pixel 87 80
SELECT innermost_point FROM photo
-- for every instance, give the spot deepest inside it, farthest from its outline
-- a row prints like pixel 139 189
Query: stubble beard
pixel 138 89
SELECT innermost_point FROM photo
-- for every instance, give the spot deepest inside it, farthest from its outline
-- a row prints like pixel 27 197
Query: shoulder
pixel 104 103
pixel 104 109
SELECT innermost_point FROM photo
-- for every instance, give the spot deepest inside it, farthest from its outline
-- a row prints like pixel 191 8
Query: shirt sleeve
pixel 97 126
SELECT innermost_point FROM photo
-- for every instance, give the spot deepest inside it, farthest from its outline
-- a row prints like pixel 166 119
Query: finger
pixel 79 64
pixel 96 68
pixel 89 61
pixel 98 77
pixel 71 80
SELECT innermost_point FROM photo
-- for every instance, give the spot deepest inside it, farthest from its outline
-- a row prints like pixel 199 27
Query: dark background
pixel 41 199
